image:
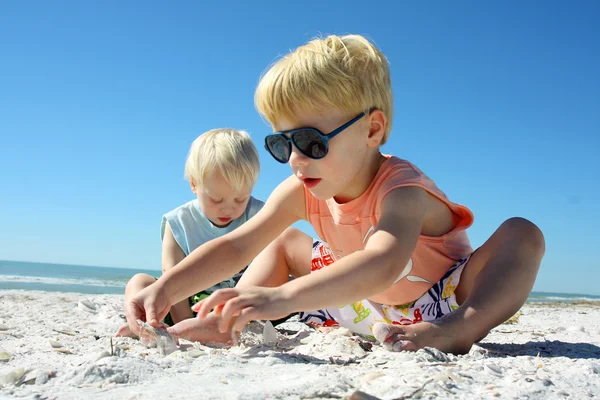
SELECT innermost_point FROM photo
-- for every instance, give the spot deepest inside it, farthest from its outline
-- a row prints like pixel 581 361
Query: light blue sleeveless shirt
pixel 191 229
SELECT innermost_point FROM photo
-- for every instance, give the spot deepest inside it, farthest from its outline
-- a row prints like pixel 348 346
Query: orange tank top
pixel 347 227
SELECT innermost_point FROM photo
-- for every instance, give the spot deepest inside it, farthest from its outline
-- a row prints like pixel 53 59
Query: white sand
pixel 552 352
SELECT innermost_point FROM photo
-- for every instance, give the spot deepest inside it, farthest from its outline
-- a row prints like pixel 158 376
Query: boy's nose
pixel 226 209
pixel 297 159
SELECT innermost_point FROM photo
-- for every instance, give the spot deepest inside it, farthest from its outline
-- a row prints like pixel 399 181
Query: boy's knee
pixel 292 236
pixel 527 233
pixel 292 233
pixel 295 246
pixel 140 280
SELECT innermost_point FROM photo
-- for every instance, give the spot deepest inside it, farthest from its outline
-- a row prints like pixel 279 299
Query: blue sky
pixel 99 101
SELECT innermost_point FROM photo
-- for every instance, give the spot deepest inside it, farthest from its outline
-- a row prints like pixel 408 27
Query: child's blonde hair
pixel 228 151
pixel 348 73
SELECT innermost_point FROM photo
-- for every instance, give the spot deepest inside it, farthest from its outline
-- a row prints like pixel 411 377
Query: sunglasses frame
pixel 325 137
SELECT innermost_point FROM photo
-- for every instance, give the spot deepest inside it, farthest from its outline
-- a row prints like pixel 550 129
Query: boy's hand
pixel 150 305
pixel 238 306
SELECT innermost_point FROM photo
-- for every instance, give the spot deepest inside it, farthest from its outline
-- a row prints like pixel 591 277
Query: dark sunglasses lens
pixel 278 147
pixel 310 143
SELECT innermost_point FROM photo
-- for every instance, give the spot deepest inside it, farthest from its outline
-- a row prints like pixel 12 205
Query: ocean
pixel 104 280
pixel 66 278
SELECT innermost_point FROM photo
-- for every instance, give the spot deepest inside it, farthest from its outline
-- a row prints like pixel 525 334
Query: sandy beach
pixel 58 346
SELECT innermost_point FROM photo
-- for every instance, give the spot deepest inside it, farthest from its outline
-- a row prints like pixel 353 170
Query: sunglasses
pixel 309 141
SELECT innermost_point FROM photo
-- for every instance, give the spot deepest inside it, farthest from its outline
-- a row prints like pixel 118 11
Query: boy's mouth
pixel 224 220
pixel 311 182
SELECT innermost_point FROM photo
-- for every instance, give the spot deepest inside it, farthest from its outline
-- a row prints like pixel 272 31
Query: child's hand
pixel 239 306
pixel 150 305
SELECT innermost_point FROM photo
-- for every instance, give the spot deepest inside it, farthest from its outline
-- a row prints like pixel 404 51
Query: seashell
pixel 269 333
pixel 64 331
pixel 4 356
pixel 195 353
pixel 369 377
pixel 434 355
pixel 55 345
pixel 86 305
pixel 494 369
pixel 157 337
pixel 177 354
pixel 28 377
pixel 4 327
pixel 14 377
pixel 64 351
pixel 102 355
pixel 341 331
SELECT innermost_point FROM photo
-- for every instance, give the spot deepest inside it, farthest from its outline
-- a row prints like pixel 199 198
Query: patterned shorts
pixel 360 317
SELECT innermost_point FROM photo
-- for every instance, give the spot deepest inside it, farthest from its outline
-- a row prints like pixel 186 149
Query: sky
pixel 498 102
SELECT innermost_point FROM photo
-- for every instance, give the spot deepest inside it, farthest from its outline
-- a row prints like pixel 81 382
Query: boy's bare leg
pixel 289 254
pixel 494 285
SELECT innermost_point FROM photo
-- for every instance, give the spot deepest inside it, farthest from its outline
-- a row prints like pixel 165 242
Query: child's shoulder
pixel 185 208
pixel 396 172
pixel 403 173
pixel 394 162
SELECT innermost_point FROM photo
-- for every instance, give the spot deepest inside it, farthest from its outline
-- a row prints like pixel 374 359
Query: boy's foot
pixel 124 331
pixel 444 337
pixel 203 331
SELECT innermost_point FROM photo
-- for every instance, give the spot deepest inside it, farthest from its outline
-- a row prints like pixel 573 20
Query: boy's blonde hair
pixel 348 73
pixel 228 151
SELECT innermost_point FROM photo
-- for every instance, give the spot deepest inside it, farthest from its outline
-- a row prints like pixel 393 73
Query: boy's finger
pixel 151 317
pixel 196 307
pixel 219 297
pixel 232 308
pixel 226 324
pixel 219 309
pixel 132 314
pixel 243 318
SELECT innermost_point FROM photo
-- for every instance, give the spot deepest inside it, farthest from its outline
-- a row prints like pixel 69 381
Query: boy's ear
pixel 193 186
pixel 377 124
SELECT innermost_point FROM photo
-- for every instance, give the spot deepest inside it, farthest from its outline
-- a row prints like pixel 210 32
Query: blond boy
pixel 222 167
pixel 393 259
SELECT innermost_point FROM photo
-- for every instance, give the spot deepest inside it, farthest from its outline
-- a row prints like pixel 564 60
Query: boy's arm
pixel 373 270
pixel 171 256
pixel 353 278
pixel 222 257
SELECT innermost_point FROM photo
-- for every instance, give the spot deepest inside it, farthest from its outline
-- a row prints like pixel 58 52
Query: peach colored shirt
pixel 347 227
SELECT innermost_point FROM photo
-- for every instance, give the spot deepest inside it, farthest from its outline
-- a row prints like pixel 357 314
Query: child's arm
pixel 365 273
pixel 222 257
pixel 353 278
pixel 171 256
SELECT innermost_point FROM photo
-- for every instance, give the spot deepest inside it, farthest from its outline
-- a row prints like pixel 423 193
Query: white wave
pixel 61 281
pixel 561 299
